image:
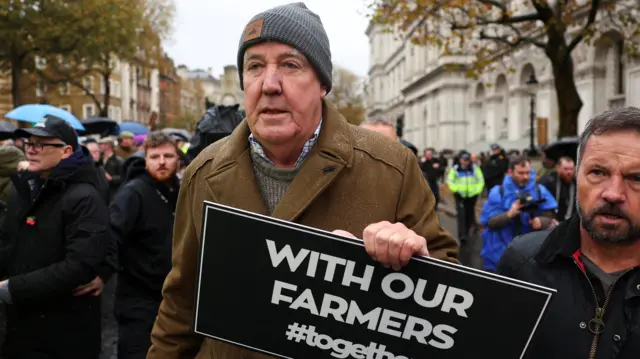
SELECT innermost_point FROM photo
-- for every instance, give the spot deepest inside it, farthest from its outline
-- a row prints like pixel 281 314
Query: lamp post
pixel 531 82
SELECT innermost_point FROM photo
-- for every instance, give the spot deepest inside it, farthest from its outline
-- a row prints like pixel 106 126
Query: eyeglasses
pixel 39 146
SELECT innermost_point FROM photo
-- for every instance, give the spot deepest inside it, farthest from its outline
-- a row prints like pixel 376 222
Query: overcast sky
pixel 207 32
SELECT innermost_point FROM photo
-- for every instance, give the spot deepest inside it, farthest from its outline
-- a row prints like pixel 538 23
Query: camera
pixel 529 203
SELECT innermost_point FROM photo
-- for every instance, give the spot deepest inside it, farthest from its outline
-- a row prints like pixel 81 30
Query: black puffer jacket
pixel 551 259
pixel 53 240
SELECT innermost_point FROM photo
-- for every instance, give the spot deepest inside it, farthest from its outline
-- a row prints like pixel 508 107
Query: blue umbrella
pixel 34 113
pixel 134 127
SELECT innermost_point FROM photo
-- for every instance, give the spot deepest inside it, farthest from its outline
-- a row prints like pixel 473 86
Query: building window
pixel 87 83
pixel 118 114
pixel 66 107
pixel 88 110
pixel 115 89
pixel 40 88
pixel 114 64
pixel 64 89
pixel 40 62
pixel 62 62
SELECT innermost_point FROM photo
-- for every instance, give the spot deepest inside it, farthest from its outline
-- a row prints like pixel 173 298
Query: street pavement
pixel 469 252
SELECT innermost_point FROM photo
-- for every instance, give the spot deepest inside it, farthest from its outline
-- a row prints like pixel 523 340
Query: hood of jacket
pixel 78 168
pixel 133 166
pixel 10 156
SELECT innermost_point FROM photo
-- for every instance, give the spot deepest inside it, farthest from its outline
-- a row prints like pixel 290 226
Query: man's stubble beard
pixel 630 235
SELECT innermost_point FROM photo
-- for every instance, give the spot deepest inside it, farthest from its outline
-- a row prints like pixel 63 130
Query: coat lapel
pixel 233 166
pixel 332 153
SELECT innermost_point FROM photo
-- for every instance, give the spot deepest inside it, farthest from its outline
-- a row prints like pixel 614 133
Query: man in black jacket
pixel 112 164
pixel 496 167
pixel 142 220
pixel 54 239
pixel 561 183
pixel 432 170
pixel 592 259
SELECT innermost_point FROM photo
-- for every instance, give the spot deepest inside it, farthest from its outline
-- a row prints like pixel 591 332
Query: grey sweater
pixel 273 182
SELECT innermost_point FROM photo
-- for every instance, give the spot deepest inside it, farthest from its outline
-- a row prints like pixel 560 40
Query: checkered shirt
pixel 306 149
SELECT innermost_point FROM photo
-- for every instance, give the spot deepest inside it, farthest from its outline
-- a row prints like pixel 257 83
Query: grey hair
pixel 379 121
pixel 619 119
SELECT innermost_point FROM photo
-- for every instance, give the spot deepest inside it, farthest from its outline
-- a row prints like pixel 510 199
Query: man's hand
pixel 23 165
pixel 516 209
pixel 436 165
pixel 536 223
pixel 4 282
pixel 94 287
pixel 393 244
pixel 108 176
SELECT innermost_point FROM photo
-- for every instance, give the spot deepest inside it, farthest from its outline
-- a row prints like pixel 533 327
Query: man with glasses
pixel 52 241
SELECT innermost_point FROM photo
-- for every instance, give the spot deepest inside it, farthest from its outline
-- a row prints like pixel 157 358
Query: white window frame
pixel 88 82
pixel 40 62
pixel 40 88
pixel 115 89
pixel 86 113
pixel 64 89
pixel 66 107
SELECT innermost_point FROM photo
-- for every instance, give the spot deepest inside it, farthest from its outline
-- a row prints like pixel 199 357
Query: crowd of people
pixel 78 213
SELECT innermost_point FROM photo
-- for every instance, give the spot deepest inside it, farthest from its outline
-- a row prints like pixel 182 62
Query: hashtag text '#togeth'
pixel 339 348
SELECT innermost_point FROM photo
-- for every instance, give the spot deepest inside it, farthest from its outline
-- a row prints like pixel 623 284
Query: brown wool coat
pixel 376 179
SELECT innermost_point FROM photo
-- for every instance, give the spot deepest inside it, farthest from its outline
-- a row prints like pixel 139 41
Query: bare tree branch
pixel 504 20
pixel 499 4
pixel 591 18
pixel 512 43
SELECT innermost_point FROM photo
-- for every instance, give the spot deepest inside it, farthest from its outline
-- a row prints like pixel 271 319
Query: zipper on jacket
pixel 598 320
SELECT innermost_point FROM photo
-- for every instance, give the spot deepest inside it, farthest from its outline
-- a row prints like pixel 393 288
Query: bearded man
pixel 591 259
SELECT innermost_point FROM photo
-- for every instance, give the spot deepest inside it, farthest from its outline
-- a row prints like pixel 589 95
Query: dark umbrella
pixel 179 132
pixel 566 146
pixel 6 130
pixel 410 145
pixel 99 126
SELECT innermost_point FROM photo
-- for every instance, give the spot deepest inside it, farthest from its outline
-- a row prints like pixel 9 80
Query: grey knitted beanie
pixel 295 25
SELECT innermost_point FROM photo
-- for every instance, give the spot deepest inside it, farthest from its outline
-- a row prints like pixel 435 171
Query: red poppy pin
pixel 31 221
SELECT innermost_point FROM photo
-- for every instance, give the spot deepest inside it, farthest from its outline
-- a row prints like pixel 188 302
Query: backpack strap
pixel 537 191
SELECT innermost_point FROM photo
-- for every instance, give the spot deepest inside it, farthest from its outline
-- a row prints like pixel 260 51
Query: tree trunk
pixel 104 111
pixel 569 102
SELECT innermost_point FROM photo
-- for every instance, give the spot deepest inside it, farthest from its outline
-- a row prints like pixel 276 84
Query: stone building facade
pixel 445 109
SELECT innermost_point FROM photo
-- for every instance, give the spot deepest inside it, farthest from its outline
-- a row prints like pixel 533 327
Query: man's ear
pixel 323 94
pixel 67 152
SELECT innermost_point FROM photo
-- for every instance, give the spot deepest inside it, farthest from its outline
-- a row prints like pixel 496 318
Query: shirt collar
pixel 306 149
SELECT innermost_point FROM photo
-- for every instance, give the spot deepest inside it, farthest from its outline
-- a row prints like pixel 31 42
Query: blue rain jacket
pixel 494 242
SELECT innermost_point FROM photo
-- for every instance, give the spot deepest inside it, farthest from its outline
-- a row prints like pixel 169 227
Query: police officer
pixel 466 182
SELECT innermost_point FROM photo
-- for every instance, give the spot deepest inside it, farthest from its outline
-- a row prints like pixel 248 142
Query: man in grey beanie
pixel 294 158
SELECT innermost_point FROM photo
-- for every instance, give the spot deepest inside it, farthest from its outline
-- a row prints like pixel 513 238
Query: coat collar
pixel 232 166
pixel 563 241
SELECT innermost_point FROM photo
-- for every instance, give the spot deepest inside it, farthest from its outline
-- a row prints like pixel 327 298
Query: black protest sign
pixel 296 292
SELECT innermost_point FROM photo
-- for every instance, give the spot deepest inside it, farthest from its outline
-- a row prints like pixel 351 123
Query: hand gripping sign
pixel 296 292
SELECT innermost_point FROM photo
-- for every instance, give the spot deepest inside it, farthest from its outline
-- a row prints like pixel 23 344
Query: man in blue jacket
pixel 516 207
